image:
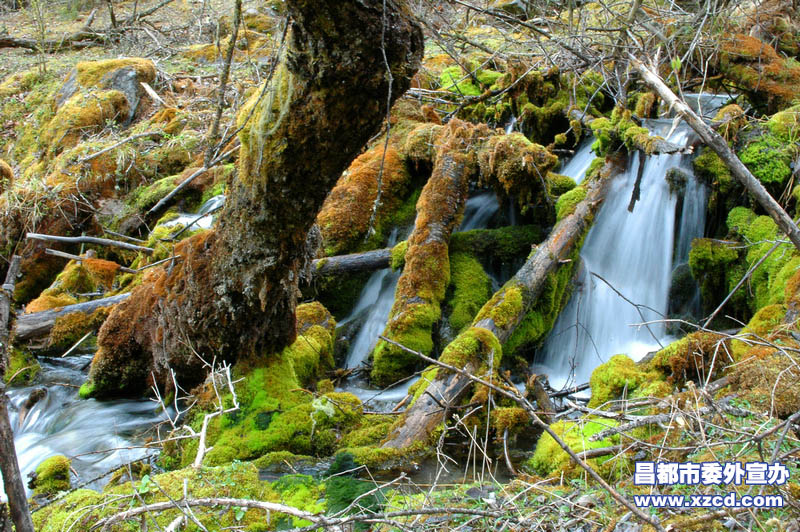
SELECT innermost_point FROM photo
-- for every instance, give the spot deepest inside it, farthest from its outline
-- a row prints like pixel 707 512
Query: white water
pixel 203 218
pixel 633 253
pixel 376 300
pixel 95 434
pixel 577 166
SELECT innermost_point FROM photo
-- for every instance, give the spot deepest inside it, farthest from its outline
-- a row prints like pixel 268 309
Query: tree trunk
pixel 717 143
pixel 9 467
pixel 498 318
pixel 236 289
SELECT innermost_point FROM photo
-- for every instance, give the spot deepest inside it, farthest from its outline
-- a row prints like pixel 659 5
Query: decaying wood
pixel 83 38
pixel 38 324
pixel 546 407
pixel 426 413
pixel 716 142
pixel 12 479
pixel 353 263
pixel 90 240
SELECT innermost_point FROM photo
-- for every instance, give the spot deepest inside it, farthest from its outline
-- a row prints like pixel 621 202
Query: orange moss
pixel 770 380
pixel 345 215
pixel 48 302
pixel 103 271
pixel 770 81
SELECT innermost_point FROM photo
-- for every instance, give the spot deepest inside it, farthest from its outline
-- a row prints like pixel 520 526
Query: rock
pixel 36 395
pixel 586 501
pixel 682 291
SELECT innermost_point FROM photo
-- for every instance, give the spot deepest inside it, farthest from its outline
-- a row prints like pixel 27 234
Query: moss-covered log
pixel 235 292
pixel 500 318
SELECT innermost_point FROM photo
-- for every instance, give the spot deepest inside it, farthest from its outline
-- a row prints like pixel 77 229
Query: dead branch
pixel 90 240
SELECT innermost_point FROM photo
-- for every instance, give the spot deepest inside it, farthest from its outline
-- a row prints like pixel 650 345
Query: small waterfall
pixel 511 124
pixel 627 255
pixel 577 166
pixel 478 211
pixel 203 218
pixel 98 436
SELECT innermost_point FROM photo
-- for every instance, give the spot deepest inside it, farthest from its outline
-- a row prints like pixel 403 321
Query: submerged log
pixel 500 317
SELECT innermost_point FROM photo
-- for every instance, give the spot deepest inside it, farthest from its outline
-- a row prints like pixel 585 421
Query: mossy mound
pixel 699 356
pixel 769 380
pixel 70 328
pixel 622 376
pixel 51 476
pixel 75 282
pixel 771 82
pixel 345 215
pixel 549 458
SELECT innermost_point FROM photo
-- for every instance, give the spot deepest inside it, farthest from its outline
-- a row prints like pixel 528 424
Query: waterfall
pixel 627 264
pixel 203 218
pixel 98 435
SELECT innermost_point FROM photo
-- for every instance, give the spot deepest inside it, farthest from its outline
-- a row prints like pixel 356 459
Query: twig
pixel 89 240
pixel 63 255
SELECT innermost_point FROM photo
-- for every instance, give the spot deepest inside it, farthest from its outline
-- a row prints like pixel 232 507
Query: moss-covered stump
pixel 51 476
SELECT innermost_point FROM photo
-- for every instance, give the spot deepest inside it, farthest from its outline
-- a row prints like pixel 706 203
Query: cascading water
pixel 203 218
pixel 627 263
pixel 98 436
pixel 375 303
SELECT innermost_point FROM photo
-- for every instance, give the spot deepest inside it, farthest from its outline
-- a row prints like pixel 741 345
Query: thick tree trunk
pixel 717 143
pixel 9 467
pixel 235 291
pixel 498 319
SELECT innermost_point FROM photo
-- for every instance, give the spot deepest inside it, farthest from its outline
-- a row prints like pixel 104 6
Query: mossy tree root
pixel 235 292
pixel 500 317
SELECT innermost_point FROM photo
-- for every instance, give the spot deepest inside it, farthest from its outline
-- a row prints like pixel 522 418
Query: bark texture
pixel 498 319
pixel 235 291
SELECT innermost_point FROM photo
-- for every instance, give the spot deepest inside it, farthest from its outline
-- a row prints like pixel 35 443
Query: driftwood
pixel 447 387
pixel 38 324
pixel 717 143
pixel 12 479
pixel 90 240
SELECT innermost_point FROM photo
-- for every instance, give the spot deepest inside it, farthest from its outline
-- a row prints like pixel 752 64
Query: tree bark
pixel 498 319
pixel 717 143
pixel 235 292
pixel 353 263
pixel 9 467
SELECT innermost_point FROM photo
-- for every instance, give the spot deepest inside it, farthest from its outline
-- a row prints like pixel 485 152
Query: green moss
pixel 769 159
pixel 739 219
pixel 504 244
pixel 785 125
pixel 86 390
pixel 301 492
pixel 560 184
pixel 550 458
pixel 399 255
pixel 710 167
pixel 470 289
pixel 474 344
pixel 23 368
pixel 412 329
pixel 621 375
pixel 52 476
pixel 454 80
pixel 710 262
pixel 70 328
pixel 273 459
pixel 566 203
pixel 90 73
pixel 761 324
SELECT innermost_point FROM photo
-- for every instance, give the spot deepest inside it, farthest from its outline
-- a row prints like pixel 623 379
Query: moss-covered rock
pixel 622 376
pixel 710 261
pixel 51 476
pixel 22 367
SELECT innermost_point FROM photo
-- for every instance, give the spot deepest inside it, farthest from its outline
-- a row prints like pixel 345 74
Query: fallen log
pixel 38 324
pixel 500 317
pixel 83 38
pixel 353 263
pixel 716 142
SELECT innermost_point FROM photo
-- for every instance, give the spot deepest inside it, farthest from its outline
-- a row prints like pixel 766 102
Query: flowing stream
pixel 627 264
pixel 97 435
